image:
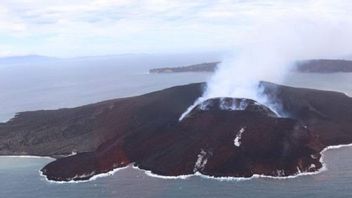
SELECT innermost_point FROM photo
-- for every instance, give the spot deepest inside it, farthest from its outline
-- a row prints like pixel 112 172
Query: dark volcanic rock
pixel 220 137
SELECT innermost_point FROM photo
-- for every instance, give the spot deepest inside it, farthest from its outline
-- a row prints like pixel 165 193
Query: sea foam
pixel 100 175
pixel 198 174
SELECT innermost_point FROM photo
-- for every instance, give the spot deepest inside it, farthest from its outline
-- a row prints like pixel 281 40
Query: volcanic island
pixel 214 139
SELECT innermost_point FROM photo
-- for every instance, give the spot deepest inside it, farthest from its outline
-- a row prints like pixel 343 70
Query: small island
pixel 213 139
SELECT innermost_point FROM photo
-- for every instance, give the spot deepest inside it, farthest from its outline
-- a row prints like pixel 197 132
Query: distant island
pixel 308 66
pixel 203 67
pixel 213 139
pixel 324 66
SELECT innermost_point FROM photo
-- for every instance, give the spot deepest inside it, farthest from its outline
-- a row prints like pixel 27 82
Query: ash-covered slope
pixel 61 132
pixel 214 139
pixel 327 113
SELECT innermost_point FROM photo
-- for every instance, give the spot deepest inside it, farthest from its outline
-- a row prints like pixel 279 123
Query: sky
pixel 68 28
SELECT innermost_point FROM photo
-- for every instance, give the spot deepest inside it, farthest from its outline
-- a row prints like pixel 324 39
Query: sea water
pixel 50 87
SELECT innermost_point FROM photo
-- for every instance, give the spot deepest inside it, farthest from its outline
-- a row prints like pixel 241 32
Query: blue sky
pixel 69 28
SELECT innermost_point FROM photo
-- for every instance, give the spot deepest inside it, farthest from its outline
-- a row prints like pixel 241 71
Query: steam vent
pixel 232 104
pixel 221 137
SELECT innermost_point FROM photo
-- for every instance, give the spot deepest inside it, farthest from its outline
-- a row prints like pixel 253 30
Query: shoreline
pixel 107 174
pixel 184 177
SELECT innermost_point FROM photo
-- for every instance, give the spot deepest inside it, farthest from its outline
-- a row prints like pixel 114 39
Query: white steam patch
pixel 83 175
pixel 280 173
pixel 312 166
pixel 201 161
pixel 204 105
pixel 298 170
pixel 190 108
pixel 237 140
pixel 242 105
pixel 151 174
pixel 72 154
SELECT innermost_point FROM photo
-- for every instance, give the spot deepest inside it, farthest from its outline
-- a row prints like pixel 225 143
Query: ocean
pixel 70 83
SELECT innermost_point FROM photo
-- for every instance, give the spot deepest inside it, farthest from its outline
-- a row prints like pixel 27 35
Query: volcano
pixel 221 137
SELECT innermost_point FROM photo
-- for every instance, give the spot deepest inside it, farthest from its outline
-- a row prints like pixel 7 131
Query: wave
pixel 100 175
pixel 255 176
pixel 151 174
pixel 336 147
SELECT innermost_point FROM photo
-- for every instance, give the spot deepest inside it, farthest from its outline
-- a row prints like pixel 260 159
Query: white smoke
pixel 269 51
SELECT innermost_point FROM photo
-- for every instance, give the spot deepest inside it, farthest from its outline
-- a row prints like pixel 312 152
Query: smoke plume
pixel 270 50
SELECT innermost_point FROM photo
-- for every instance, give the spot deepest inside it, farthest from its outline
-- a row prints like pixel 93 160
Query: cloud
pixel 80 27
